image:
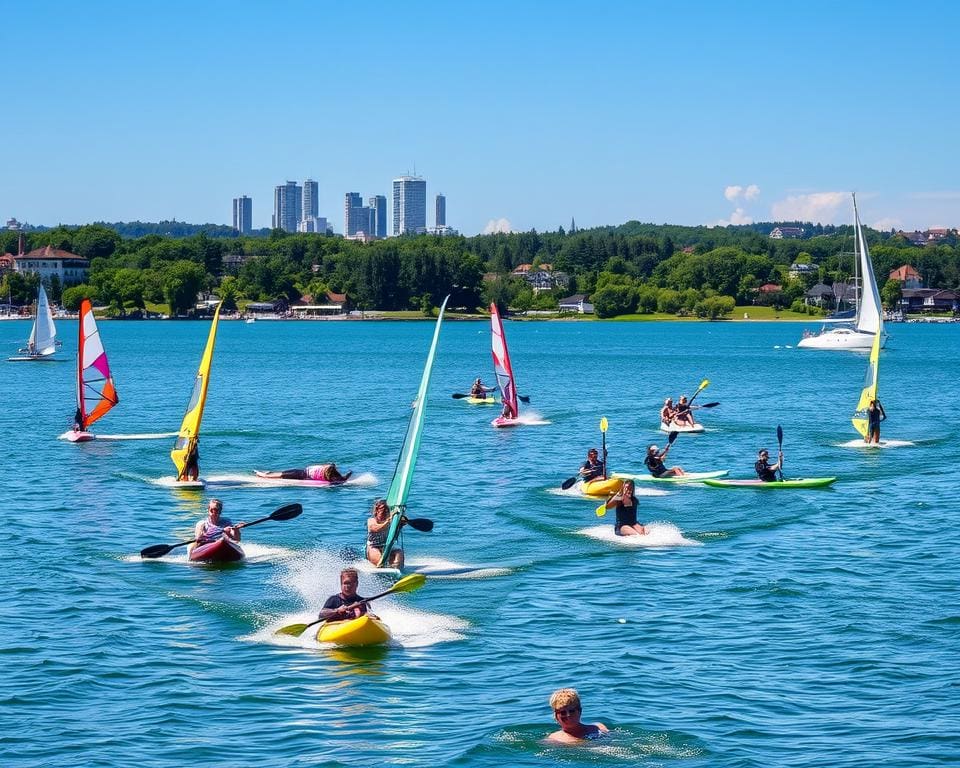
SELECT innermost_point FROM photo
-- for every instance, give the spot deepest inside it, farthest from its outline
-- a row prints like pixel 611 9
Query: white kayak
pixel 664 427
pixel 689 477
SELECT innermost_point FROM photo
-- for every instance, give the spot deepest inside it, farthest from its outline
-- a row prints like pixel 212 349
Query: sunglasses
pixel 566 712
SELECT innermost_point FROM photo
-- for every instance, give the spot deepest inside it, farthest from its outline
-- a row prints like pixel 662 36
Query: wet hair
pixel 565 698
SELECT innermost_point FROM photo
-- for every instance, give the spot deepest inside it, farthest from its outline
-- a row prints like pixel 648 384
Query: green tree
pixel 613 300
pixel 182 281
pixel 95 240
pixel 668 301
pixel 891 294
pixel 73 295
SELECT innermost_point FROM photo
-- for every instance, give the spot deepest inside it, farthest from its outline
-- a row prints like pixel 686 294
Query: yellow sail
pixel 190 427
pixel 869 392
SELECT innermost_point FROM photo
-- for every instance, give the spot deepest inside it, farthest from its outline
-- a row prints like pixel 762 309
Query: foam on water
pixel 658 535
pixel 143 436
pixel 255 553
pixel 876 446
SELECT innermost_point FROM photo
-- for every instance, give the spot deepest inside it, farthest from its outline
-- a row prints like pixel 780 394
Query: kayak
pixel 601 487
pixel 797 482
pixel 664 427
pixel 354 633
pixel 481 400
pixel 690 477
pixel 502 422
pixel 223 550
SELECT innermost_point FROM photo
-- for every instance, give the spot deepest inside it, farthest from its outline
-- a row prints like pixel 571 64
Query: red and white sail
pixel 502 367
pixel 96 393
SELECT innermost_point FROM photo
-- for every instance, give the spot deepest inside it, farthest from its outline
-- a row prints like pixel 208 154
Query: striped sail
pixel 870 311
pixel 43 335
pixel 96 393
pixel 869 391
pixel 502 367
pixel 407 461
pixel 190 427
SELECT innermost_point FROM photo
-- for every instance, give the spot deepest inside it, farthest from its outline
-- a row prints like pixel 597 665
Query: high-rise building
pixel 287 206
pixel 311 199
pixel 409 205
pixel 313 224
pixel 357 218
pixel 243 215
pixel 378 208
pixel 441 211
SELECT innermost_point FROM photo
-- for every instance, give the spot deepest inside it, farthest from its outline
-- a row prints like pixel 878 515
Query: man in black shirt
pixel 766 471
pixel 347 604
pixel 654 462
pixel 592 468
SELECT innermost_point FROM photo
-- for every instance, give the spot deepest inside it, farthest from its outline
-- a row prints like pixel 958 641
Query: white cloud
pixel 739 216
pixel 747 193
pixel 882 225
pixel 943 195
pixel 817 207
pixel 732 193
pixel 497 225
pixel 751 192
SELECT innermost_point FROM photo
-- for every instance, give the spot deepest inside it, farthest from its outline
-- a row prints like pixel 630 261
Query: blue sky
pixel 524 114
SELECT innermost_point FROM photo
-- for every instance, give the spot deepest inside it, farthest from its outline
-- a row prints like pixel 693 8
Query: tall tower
pixel 287 206
pixel 378 208
pixel 311 199
pixel 243 214
pixel 356 218
pixel 409 205
pixel 441 211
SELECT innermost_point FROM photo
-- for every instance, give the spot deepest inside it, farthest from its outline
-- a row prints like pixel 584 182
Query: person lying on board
pixel 626 505
pixel 377 526
pixel 654 462
pixel 667 412
pixel 683 417
pixel 592 468
pixel 214 526
pixel 875 414
pixel 346 604
pixel 327 472
pixel 479 391
pixel 765 470
pixel 566 707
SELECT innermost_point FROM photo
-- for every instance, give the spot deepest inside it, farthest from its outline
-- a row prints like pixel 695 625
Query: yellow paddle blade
pixel 603 424
pixel 602 510
pixel 294 630
pixel 703 385
pixel 409 583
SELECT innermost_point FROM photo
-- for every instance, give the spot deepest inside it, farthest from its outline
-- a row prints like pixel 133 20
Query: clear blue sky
pixel 527 112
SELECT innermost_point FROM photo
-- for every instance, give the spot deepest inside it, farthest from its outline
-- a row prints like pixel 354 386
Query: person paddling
pixel 592 468
pixel 875 414
pixel 567 709
pixel 346 604
pixel 654 462
pixel 479 391
pixel 683 415
pixel 214 526
pixel 626 504
pixel 667 412
pixel 765 470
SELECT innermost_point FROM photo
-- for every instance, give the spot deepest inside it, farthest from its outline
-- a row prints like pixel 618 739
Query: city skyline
pixel 707 115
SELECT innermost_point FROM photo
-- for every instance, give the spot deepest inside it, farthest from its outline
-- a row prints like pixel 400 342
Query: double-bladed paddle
pixel 461 396
pixel 570 481
pixel 409 583
pixel 287 512
pixel 418 523
pixel 705 405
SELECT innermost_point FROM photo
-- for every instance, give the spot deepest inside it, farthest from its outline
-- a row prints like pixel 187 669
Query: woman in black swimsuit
pixel 626 506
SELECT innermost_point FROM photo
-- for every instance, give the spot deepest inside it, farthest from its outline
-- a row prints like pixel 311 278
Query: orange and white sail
pixel 502 367
pixel 96 393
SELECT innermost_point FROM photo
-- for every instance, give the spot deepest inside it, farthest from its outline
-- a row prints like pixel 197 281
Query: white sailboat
pixel 868 322
pixel 42 344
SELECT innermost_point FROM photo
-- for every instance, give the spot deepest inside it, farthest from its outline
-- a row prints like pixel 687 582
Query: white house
pixel 577 303
pixel 69 268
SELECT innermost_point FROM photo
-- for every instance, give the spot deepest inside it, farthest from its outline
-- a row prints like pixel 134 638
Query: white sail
pixel 42 337
pixel 870 311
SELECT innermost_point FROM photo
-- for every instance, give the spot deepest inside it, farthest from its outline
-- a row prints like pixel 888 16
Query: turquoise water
pixel 768 628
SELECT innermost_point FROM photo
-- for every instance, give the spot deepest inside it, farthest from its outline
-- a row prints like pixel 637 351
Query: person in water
pixel 592 468
pixel 626 505
pixel 683 416
pixel 567 709
pixel 325 472
pixel 875 414
pixel 377 525
pixel 191 468
pixel 214 526
pixel 765 470
pixel 667 412
pixel 479 391
pixel 346 604
pixel 654 462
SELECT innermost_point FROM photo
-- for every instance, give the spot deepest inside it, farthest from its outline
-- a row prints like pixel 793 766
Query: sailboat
pixel 184 453
pixel 42 344
pixel 868 322
pixel 407 460
pixel 504 370
pixel 869 392
pixel 96 393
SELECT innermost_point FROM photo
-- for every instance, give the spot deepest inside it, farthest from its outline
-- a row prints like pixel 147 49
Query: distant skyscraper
pixel 313 224
pixel 311 199
pixel 441 211
pixel 287 206
pixel 409 205
pixel 378 208
pixel 356 216
pixel 243 215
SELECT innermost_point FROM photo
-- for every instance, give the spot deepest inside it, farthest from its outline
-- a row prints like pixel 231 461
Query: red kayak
pixel 223 550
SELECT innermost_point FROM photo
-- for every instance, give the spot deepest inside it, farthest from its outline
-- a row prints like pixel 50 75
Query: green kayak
pixel 799 482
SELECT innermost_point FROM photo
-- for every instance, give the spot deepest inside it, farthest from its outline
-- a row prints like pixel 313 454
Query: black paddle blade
pixel 420 524
pixel 673 436
pixel 287 512
pixel 458 396
pixel 568 483
pixel 523 398
pixel 779 435
pixel 157 550
pixel 710 405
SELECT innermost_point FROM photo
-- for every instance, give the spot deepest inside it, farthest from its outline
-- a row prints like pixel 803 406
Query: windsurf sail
pixel 96 393
pixel 502 367
pixel 190 427
pixel 869 392
pixel 403 473
pixel 42 340
pixel 870 311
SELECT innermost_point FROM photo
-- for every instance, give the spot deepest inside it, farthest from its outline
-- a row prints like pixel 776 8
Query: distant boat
pixel 96 393
pixel 42 344
pixel 868 321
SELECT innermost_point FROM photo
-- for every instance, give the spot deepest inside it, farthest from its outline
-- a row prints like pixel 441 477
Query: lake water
pixel 789 628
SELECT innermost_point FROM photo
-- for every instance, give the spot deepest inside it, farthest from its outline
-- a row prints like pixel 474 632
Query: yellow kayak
pixel 481 400
pixel 601 487
pixel 354 633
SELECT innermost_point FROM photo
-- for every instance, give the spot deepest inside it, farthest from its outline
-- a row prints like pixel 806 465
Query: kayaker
pixel 667 412
pixel 654 462
pixel 377 525
pixel 214 526
pixel 567 709
pixel 191 468
pixel 346 604
pixel 766 471
pixel 592 468
pixel 626 504
pixel 327 472
pixel 479 391
pixel 683 416
pixel 875 414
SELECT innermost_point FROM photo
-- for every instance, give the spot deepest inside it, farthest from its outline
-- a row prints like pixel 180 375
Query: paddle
pixel 418 523
pixel 523 398
pixel 287 512
pixel 568 483
pixel 409 583
pixel 703 385
pixel 780 450
pixel 603 437
pixel 706 405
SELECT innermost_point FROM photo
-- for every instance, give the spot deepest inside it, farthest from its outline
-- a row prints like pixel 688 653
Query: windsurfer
pixel 324 472
pixel 78 421
pixel 654 462
pixel 766 471
pixel 875 414
pixel 214 525
pixel 346 604
pixel 191 467
pixel 507 412
pixel 592 468
pixel 626 505
pixel 566 707
pixel 377 527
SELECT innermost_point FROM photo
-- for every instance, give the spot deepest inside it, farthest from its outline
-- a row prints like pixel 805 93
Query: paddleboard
pixel 798 482
pixel 261 475
pixel 664 427
pixel 501 422
pixel 689 477
pixel 77 437
pixel 188 484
